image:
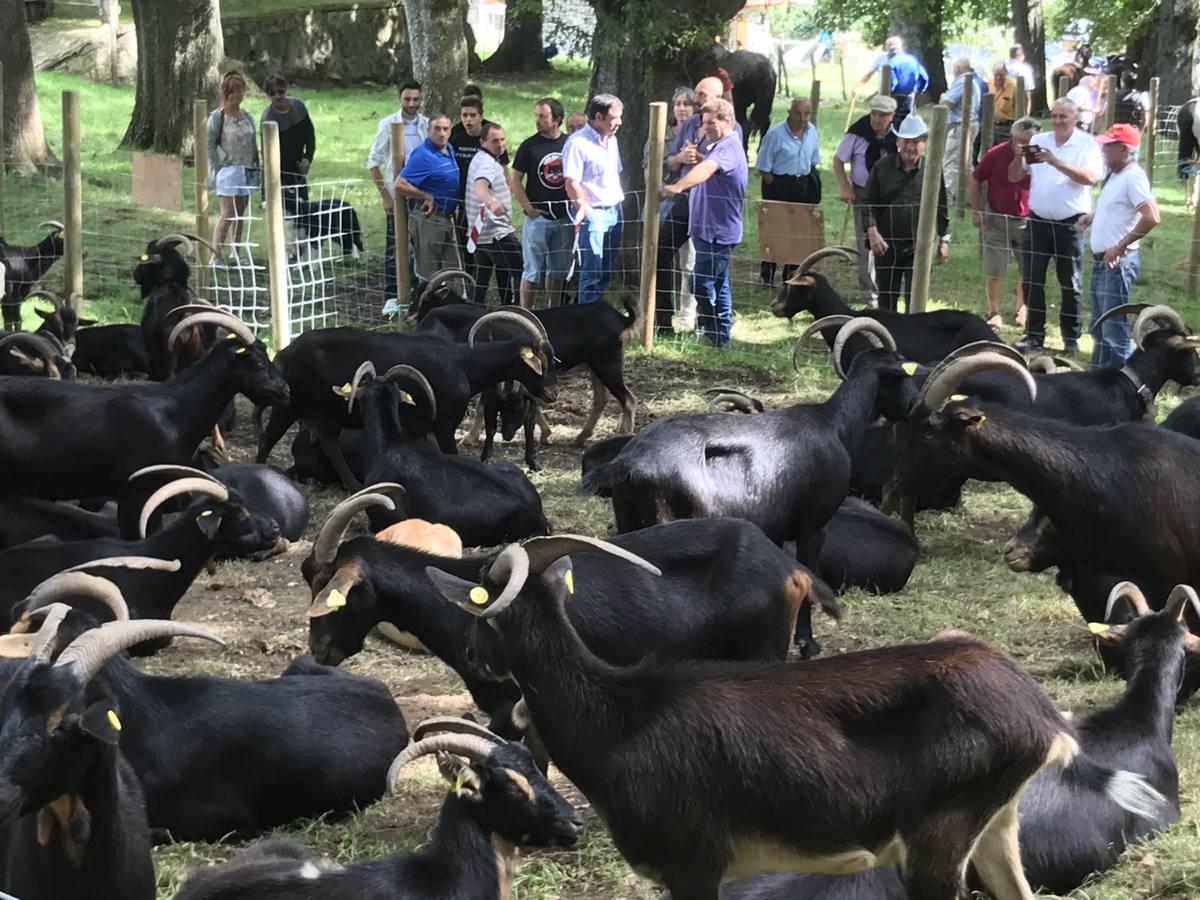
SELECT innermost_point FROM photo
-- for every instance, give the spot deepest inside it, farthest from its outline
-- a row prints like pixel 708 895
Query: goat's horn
pixel 473 748
pixel 415 375
pixel 365 371
pixel 325 546
pixel 531 317
pixel 1181 595
pixel 444 275
pixel 88 653
pixel 53 223
pixel 170 240
pixel 229 322
pixel 77 584
pixel 175 471
pixel 141 563
pixel 179 486
pixel 1130 593
pixel 195 237
pixel 820 325
pixel 983 356
pixel 33 342
pixel 511 567
pixel 817 255
pixel 17 646
pixel 49 295
pixel 875 332
pixel 47 636
pixel 201 306
pixel 1152 318
pixel 503 315
pixel 454 725
pixel 739 401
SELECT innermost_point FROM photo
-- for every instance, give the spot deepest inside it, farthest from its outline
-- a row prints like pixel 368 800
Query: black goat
pixel 499 801
pixel 310 464
pixel 332 736
pixel 217 523
pixel 162 275
pixel 591 335
pixel 266 490
pixel 709 770
pixel 787 470
pixel 920 337
pixel 25 519
pixel 111 351
pixel 72 804
pixel 48 350
pixel 726 593
pixel 486 504
pixel 1070 828
pixel 70 441
pixel 1185 418
pixel 329 356
pixel 24 267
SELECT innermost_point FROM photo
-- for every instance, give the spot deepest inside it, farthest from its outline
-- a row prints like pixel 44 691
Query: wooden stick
pixel 277 274
pixel 885 80
pixel 200 157
pixel 964 144
pixel 1019 99
pixel 649 274
pixel 814 95
pixel 927 236
pixel 1152 131
pixel 400 221
pixel 72 199
pixel 842 65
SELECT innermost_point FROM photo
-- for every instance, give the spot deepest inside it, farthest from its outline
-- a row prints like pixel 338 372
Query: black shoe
pixel 1027 344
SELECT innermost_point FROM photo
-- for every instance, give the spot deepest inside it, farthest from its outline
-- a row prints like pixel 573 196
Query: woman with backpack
pixel 233 160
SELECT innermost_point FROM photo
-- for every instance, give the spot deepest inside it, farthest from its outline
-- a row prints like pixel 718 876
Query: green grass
pixel 960 581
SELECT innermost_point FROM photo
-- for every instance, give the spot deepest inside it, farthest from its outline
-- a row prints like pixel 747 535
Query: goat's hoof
pixel 580 441
pixel 534 466
pixel 809 649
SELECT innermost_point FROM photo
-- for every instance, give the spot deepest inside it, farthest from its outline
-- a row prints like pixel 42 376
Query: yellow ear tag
pixel 569 581
pixel 910 368
pixel 207 512
pixel 1098 628
pixel 240 350
pixel 958 398
pixel 407 398
pixel 345 388
pixel 336 599
pixel 114 721
pixel 526 353
pixel 478 595
pixel 143 257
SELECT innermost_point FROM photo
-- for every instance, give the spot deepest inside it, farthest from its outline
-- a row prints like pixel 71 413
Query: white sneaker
pixel 391 307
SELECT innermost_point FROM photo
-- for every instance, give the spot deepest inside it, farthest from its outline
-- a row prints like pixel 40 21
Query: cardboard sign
pixel 158 181
pixel 788 232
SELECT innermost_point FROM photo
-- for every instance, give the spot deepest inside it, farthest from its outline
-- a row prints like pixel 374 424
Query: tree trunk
pixel 521 50
pixel 922 33
pixel 1176 50
pixel 1030 31
pixel 25 145
pixel 180 49
pixel 437 35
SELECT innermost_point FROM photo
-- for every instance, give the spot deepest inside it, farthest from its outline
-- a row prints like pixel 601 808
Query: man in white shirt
pixel 592 168
pixel 496 244
pixel 379 162
pixel 1125 213
pixel 1063 165
pixel 1018 68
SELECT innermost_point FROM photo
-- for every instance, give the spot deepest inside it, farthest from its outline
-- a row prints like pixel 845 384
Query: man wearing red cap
pixel 1125 213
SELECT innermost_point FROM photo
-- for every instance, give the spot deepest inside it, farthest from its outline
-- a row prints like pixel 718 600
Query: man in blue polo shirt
pixel 429 180
pixel 909 77
pixel 592 169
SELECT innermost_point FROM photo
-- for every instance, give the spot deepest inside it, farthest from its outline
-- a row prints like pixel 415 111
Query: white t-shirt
pixel 1052 195
pixel 1022 69
pixel 1117 207
pixel 485 167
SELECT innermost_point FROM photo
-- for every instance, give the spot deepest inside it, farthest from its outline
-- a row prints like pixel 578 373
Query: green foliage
pixel 1114 24
pixel 875 17
pixel 798 22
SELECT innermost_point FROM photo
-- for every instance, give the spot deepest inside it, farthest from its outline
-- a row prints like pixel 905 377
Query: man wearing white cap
pixel 1125 213
pixel 868 140
pixel 893 198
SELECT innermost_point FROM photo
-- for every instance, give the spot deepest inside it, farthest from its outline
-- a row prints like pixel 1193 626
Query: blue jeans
pixel 710 286
pixel 1111 287
pixel 598 241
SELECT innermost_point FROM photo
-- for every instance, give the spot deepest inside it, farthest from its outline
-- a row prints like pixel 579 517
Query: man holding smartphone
pixel 1062 166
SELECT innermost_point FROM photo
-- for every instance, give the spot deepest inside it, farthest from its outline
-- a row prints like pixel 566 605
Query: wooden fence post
pixel 649 275
pixel 814 97
pixel 1064 86
pixel 987 125
pixel 200 164
pixel 3 158
pixel 1152 131
pixel 400 222
pixel 1019 99
pixel 1110 105
pixel 931 183
pixel 1193 279
pixel 277 273
pixel 842 66
pixel 964 144
pixel 72 199
pixel 885 80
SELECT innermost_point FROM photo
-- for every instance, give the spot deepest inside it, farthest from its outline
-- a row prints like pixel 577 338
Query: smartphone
pixel 1031 153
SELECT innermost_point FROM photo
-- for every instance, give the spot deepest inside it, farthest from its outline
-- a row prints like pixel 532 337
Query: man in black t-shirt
pixel 464 138
pixel 538 184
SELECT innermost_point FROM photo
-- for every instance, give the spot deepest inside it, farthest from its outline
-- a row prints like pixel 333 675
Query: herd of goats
pixel 651 669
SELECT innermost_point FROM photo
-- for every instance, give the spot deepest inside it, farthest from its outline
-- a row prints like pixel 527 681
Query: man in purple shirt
pixel 592 169
pixel 718 188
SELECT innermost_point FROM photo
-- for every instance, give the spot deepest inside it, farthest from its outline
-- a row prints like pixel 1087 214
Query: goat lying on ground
pixel 24 267
pixel 709 770
pixel 499 801
pixel 48 350
pixel 727 593
pixel 111 351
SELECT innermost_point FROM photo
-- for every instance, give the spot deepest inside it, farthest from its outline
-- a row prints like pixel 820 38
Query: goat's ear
pixel 460 774
pixel 561 572
pixel 341 390
pixel 801 280
pixel 1104 633
pixel 87 323
pixel 459 591
pixel 532 360
pixel 33 363
pixel 966 416
pixel 209 522
pixel 100 721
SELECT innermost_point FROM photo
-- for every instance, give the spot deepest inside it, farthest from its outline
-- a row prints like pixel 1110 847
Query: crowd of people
pixel 1031 193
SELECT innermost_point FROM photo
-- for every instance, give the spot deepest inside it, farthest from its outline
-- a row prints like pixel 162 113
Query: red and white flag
pixel 473 234
pixel 575 246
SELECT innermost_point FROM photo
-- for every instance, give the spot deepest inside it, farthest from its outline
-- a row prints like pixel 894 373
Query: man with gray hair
pixel 961 125
pixel 1062 165
pixel 592 169
pixel 1002 224
pixel 788 156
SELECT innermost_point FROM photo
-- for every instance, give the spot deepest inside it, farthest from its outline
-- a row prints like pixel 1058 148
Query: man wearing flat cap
pixel 868 140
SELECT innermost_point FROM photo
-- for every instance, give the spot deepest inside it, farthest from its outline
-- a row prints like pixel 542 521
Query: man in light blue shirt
pixel 956 132
pixel 787 162
pixel 592 168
